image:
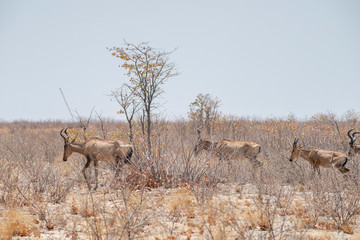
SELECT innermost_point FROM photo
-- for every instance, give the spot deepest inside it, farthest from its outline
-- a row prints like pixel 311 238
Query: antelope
pixel 319 157
pixel 96 149
pixel 354 149
pixel 231 149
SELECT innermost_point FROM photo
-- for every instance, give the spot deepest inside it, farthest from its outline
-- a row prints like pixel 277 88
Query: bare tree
pixel 148 69
pixel 129 105
pixel 102 125
pixel 84 122
pixel 204 111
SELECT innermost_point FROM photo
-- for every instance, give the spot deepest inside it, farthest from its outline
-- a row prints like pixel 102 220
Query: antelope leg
pixel 84 171
pixel 96 174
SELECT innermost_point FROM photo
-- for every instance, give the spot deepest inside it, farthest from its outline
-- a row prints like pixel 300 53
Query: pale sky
pixel 260 58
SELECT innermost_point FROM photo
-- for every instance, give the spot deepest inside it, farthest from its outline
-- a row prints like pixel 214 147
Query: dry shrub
pixel 182 198
pixel 347 229
pixel 137 180
pixel 30 160
pixel 74 207
pixel 256 218
pixel 220 218
pixel 166 238
pixel 87 212
pixel 305 217
pixel 16 222
pixel 131 214
pixel 323 236
pixel 336 200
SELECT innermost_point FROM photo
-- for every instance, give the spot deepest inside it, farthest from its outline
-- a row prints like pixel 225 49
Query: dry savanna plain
pixel 173 194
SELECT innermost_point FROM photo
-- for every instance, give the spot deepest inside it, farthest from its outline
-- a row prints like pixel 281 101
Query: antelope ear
pixel 73 140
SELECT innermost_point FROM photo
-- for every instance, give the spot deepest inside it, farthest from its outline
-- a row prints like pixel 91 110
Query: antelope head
pixel 295 150
pixel 67 150
pixel 202 145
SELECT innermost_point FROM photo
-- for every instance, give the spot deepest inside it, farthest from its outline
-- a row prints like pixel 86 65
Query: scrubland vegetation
pixel 171 194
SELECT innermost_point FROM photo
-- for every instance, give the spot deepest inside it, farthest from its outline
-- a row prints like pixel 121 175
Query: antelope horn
pixel 61 134
pixel 351 137
pixel 354 135
pixel 66 132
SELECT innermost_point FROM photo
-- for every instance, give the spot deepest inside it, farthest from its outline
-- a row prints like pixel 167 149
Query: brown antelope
pixel 95 150
pixel 230 149
pixel 318 157
pixel 354 149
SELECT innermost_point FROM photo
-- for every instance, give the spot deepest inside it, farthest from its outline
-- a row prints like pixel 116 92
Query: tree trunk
pixel 149 131
pixel 142 122
pixel 131 134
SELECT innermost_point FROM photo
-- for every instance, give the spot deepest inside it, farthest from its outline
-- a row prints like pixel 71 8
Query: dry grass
pixel 185 197
pixel 17 222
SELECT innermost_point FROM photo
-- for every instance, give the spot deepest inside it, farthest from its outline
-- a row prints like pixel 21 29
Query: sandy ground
pixel 224 212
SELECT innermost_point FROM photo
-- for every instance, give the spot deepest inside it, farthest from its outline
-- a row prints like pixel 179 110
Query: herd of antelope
pixel 96 149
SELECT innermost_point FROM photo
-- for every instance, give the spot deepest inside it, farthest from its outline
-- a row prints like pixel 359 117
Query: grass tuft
pixel 16 222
